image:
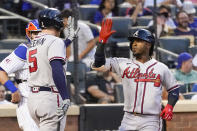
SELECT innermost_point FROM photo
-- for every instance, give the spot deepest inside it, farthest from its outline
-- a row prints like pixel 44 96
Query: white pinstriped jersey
pixel 14 64
pixel 142 83
pixel 44 48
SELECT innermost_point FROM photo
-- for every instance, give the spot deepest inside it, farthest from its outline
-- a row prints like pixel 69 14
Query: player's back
pixel 39 56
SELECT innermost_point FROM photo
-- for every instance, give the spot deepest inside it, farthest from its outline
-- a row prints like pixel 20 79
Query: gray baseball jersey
pixel 142 83
pixel 44 48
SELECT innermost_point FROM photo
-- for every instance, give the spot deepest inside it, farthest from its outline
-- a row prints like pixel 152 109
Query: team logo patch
pixel 7 60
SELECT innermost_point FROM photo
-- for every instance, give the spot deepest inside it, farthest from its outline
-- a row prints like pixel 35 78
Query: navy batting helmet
pixel 144 35
pixel 50 17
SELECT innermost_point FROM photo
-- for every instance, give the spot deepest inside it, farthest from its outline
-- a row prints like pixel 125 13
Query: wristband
pixel 10 86
pixel 67 42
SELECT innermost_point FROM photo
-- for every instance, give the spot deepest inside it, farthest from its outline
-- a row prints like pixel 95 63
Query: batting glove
pixel 61 111
pixel 167 113
pixel 72 33
pixel 105 32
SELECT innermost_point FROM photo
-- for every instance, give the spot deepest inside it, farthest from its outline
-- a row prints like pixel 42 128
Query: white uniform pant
pixel 43 106
pixel 133 122
pixel 25 121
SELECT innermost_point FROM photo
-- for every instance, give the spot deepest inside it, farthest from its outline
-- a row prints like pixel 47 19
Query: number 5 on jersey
pixel 32 59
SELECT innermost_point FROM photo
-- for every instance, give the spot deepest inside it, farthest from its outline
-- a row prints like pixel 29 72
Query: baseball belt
pixel 139 114
pixel 18 81
pixel 43 88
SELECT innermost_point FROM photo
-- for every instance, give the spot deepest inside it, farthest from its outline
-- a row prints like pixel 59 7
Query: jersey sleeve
pixel 21 51
pixel 57 50
pixel 12 63
pixel 169 80
pixel 113 64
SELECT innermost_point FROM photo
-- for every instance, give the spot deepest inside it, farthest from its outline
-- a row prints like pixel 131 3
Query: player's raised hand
pixel 106 31
pixel 72 33
pixel 61 111
pixel 16 97
pixel 167 113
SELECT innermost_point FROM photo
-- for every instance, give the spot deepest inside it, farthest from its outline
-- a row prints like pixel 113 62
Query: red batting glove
pixel 167 113
pixel 105 32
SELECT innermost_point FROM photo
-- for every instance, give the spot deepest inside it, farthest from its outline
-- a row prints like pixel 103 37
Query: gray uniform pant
pixel 42 107
pixel 133 122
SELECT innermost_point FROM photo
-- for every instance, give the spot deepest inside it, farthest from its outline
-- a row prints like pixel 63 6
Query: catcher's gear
pixel 105 32
pixel 61 111
pixel 50 17
pixel 72 33
pixel 144 35
pixel 32 26
pixel 167 112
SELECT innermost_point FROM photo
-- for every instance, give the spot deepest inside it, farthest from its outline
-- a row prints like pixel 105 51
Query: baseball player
pixel 16 63
pixel 49 98
pixel 142 79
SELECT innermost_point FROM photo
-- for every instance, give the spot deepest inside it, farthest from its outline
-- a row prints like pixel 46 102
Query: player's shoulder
pixel 160 64
pixel 121 60
pixel 21 51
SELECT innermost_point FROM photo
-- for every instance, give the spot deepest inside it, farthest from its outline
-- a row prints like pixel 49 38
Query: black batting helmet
pixel 144 35
pixel 50 17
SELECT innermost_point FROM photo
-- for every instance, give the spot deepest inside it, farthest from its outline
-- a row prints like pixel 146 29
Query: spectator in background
pixel 100 87
pixel 2 96
pixel 184 72
pixel 86 41
pixel 177 3
pixel 128 3
pixel 107 8
pixel 164 21
pixel 188 7
pixel 183 28
pixel 136 10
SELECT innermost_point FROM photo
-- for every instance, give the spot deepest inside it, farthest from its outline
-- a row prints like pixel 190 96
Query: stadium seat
pixel 189 95
pixel 11 43
pixel 82 69
pixel 144 20
pixel 3 55
pixel 133 29
pixel 84 2
pixel 121 26
pixel 87 12
pixel 193 50
pixel 174 44
pixel 122 11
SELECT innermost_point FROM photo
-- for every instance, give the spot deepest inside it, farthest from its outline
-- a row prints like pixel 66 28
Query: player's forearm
pixel 4 80
pixel 97 93
pixel 173 97
pixel 3 77
pixel 99 55
pixel 59 78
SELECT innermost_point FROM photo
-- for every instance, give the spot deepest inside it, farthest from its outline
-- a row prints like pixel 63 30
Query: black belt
pixel 139 114
pixel 42 88
pixel 18 81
